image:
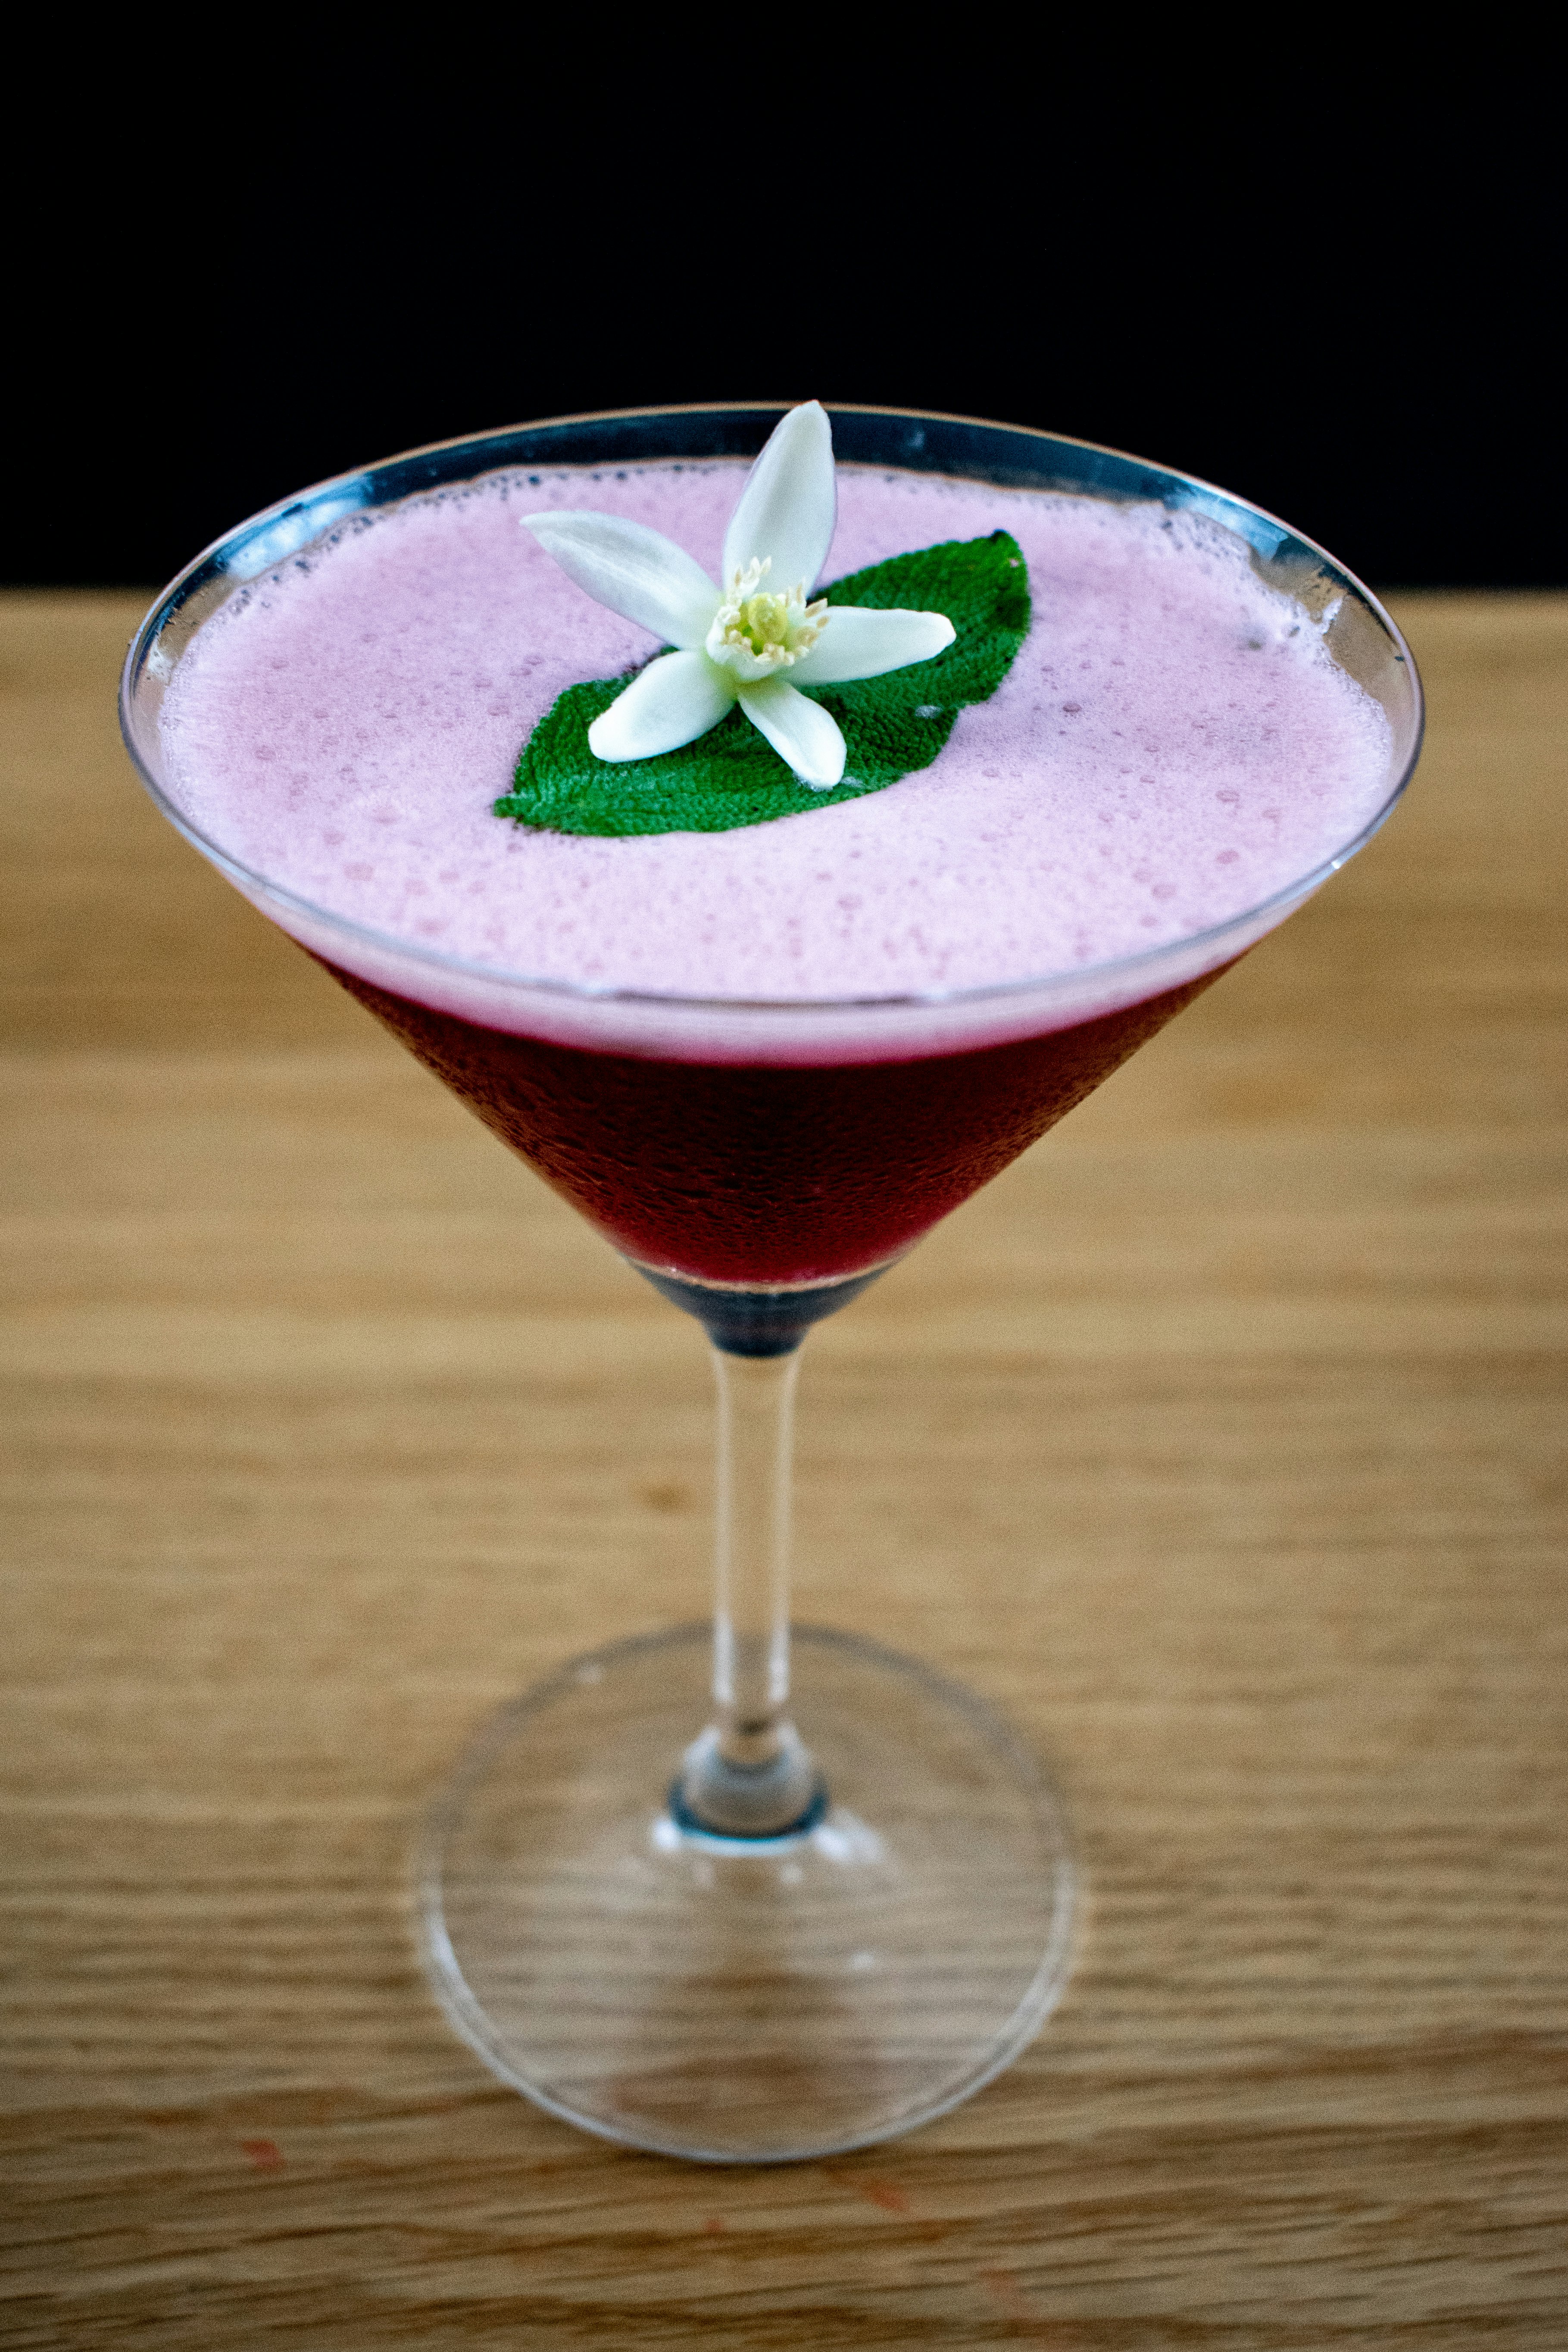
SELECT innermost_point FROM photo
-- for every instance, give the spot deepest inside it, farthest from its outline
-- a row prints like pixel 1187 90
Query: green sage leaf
pixel 732 776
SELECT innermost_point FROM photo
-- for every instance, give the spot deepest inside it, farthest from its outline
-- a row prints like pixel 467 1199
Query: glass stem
pixel 749 1774
pixel 751 1551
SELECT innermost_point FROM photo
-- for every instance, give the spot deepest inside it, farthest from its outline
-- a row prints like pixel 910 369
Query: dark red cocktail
pixel 767 1173
pixel 762 1061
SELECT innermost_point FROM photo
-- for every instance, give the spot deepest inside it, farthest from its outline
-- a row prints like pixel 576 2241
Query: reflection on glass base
pixel 747 2000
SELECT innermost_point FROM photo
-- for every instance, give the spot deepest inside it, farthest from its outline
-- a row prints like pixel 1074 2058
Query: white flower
pixel 755 641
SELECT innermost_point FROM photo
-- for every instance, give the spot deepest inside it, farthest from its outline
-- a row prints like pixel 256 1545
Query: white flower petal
pixel 635 571
pixel 789 504
pixel 674 699
pixel 859 642
pixel 800 731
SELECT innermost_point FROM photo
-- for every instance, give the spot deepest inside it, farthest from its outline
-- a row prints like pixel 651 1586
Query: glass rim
pixel 1110 973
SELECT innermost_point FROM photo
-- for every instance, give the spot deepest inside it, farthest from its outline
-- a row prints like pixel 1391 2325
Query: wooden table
pixel 1219 1441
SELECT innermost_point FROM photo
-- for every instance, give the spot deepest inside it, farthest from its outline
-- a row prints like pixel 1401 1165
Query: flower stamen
pixel 758 625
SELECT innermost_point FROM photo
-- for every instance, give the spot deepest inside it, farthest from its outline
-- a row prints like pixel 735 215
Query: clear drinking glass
pixel 730 1893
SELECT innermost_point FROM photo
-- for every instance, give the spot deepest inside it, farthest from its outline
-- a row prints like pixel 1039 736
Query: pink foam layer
pixel 1172 746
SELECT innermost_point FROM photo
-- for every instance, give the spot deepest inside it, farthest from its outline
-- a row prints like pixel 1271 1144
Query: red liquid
pixel 766 1173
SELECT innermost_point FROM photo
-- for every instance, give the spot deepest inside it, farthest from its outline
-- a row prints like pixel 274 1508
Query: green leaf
pixel 732 776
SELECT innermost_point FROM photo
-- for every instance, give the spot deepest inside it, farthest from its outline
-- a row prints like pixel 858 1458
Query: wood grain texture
pixel 1220 1441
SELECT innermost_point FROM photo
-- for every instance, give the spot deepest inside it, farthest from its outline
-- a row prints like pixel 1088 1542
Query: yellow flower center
pixel 773 628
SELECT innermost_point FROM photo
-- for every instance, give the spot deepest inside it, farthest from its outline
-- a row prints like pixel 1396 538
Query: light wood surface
pixel 1220 1442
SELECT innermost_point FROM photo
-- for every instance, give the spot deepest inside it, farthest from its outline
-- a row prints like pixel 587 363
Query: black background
pixel 1343 316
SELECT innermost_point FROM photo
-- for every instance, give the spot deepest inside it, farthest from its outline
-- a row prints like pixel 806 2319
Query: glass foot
pixel 746 2000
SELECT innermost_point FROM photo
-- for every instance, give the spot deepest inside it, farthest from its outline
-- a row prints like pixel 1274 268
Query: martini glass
pixel 737 1892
